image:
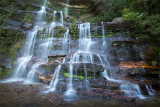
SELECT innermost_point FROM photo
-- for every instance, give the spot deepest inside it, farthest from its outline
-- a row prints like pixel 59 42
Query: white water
pixel 60 15
pixel 20 71
pixel 41 14
pixel 65 40
pixel 149 89
pixel 46 46
pixel 66 8
pixel 55 79
pixel 70 90
pixel 103 33
pixel 83 55
pixel 132 90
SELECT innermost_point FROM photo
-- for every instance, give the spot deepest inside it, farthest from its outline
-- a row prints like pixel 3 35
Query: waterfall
pixel 46 33
pixel 55 79
pixel 149 89
pixel 83 55
pixel 56 14
pixel 84 51
pixel 41 14
pixel 70 90
pixel 103 33
pixel 45 48
pixel 65 40
pixel 20 70
pixel 66 8
pixel 132 90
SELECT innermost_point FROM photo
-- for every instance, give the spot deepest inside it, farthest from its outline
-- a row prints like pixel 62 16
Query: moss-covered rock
pixel 59 31
pixel 73 30
pixel 5 72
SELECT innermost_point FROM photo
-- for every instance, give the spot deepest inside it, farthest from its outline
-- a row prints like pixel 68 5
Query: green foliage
pixel 157 49
pixel 106 10
pixel 152 24
pixel 154 63
pixel 132 16
pixel 145 16
pixel 8 38
pixel 143 6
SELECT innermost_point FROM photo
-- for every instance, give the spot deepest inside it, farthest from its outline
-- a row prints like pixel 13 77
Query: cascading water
pixel 149 89
pixel 83 55
pixel 103 33
pixel 70 90
pixel 84 50
pixel 132 90
pixel 45 47
pixel 65 40
pixel 60 21
pixel 55 79
pixel 66 8
pixel 41 14
pixel 20 70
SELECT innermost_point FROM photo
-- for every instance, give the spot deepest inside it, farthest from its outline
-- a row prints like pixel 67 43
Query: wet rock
pixel 58 55
pixel 13 22
pixel 27 25
pixel 89 67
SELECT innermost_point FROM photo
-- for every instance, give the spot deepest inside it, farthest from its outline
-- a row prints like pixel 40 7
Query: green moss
pixel 111 34
pixel 49 18
pixel 8 38
pixel 27 18
pixel 157 49
pixel 76 76
pixel 59 31
pixel 123 44
pixel 14 50
pixel 92 36
pixel 74 31
pixel 4 72
pixel 99 36
pixel 154 63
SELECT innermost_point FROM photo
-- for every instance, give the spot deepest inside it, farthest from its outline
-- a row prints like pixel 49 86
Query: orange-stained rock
pixel 44 79
pixel 131 64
